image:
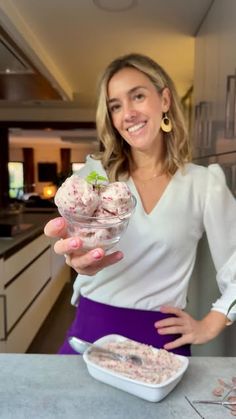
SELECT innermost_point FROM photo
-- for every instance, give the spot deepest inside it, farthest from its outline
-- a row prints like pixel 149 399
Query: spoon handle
pixel 81 346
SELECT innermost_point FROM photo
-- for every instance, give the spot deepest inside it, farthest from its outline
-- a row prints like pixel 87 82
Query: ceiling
pixel 69 42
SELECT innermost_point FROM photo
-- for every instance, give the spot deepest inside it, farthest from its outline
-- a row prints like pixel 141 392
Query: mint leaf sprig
pixel 96 180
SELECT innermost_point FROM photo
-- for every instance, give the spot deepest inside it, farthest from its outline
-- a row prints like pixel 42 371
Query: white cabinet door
pixel 199 66
pixel 199 89
pixel 30 282
pixel 22 293
pixel 3 326
pixel 215 62
pixel 212 49
pixel 60 273
pixel 227 59
pixel 206 89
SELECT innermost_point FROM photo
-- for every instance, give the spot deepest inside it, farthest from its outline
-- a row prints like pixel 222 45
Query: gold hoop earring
pixel 166 124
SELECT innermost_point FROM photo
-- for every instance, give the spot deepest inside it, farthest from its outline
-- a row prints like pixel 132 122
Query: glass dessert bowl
pixel 102 231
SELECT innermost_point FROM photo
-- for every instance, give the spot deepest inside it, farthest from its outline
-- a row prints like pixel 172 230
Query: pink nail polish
pixel 96 254
pixel 73 244
pixel 58 222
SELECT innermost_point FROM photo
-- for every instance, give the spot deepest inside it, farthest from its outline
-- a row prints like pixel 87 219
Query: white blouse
pixel 160 247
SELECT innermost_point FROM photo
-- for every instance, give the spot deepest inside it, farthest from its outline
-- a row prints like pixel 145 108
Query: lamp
pixel 114 5
pixel 49 191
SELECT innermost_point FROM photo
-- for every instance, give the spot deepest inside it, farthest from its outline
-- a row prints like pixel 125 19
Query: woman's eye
pixel 114 108
pixel 139 96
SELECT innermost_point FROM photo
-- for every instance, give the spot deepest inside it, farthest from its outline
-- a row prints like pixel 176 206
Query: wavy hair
pixel 116 154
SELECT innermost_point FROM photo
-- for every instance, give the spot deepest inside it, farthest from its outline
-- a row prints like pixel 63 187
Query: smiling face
pixel 136 108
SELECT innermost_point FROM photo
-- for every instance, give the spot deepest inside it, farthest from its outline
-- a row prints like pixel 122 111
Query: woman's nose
pixel 129 112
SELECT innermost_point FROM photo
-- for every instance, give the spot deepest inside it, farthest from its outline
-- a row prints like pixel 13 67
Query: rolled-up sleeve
pixel 220 226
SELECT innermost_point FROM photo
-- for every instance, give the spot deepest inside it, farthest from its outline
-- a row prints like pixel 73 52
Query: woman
pixel 141 292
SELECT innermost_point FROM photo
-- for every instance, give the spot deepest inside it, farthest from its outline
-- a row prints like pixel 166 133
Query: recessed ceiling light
pixel 115 5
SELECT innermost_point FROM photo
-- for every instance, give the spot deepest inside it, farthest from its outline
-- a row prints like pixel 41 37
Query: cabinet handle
pixel 233 173
pixel 206 122
pixel 203 125
pixel 3 321
pixel 197 121
pixel 229 131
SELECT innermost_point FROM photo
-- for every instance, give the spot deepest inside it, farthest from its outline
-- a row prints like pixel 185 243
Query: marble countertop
pixel 59 386
pixel 36 219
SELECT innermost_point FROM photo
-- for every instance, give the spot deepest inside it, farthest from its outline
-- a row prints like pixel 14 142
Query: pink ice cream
pixel 158 364
pixel 76 197
pixel 95 213
pixel 116 198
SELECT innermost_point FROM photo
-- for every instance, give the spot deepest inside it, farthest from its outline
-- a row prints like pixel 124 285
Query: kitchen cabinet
pixel 215 80
pixel 199 95
pixel 227 62
pixel 206 80
pixel 204 291
pixel 31 280
pixel 214 138
pixel 214 134
pixel 2 312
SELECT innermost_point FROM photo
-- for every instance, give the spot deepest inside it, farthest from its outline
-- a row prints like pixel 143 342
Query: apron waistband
pixel 94 320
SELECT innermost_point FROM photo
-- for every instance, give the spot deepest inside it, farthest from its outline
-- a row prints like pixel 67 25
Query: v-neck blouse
pixel 160 247
pixel 135 192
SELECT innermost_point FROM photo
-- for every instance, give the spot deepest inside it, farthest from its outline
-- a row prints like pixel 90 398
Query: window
pixel 16 179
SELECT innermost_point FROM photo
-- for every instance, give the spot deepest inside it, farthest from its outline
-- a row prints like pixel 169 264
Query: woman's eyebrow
pixel 131 91
pixel 110 101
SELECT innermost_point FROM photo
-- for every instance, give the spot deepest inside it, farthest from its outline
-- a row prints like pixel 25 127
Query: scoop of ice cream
pixel 76 197
pixel 116 198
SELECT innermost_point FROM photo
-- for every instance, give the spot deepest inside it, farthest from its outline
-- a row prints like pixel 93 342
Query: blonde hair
pixel 116 154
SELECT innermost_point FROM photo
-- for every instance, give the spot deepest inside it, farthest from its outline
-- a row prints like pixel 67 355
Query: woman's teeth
pixel 136 127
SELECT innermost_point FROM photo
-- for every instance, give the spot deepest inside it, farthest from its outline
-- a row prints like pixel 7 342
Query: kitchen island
pixel 59 386
pixel 32 277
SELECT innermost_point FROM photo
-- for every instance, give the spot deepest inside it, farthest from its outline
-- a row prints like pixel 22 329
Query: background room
pixel 50 61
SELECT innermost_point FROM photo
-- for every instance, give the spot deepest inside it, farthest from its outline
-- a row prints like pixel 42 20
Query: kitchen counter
pixel 37 218
pixel 53 386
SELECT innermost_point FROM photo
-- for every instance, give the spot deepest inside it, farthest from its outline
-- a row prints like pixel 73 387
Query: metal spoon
pixel 80 346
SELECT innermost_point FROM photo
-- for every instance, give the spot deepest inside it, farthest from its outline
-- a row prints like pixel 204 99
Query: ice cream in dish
pixel 97 211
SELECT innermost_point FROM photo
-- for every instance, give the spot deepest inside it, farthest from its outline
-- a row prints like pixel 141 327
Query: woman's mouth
pixel 136 127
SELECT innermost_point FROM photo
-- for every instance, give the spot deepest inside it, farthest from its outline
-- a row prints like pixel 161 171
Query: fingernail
pixel 58 222
pixel 73 244
pixel 96 254
pixel 119 256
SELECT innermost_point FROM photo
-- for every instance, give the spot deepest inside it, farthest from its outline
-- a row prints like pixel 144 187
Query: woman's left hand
pixel 191 330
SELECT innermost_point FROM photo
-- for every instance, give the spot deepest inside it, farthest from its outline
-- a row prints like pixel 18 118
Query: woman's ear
pixel 166 100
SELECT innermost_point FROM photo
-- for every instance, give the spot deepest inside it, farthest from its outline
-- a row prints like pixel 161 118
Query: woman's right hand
pixel 84 262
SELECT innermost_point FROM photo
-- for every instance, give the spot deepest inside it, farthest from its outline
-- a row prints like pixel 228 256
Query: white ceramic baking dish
pixel 150 392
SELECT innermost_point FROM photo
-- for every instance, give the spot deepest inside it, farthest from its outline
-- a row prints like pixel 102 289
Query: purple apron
pixel 94 320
